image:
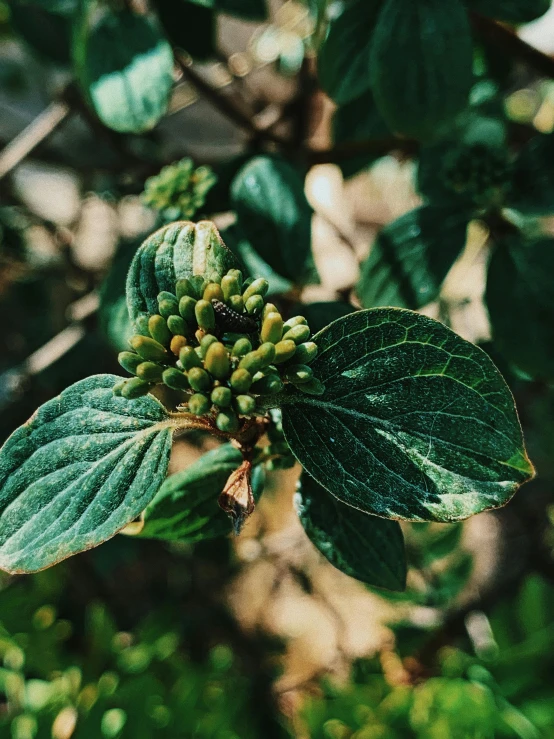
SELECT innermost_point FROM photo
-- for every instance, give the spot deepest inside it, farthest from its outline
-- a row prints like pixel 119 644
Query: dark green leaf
pixel 520 300
pixel 185 507
pixel 510 11
pixel 343 60
pixel 421 64
pixel 125 67
pixel 533 181
pixel 84 466
pixel 411 257
pixel 369 548
pixel 276 218
pixel 415 423
pixel 320 315
pixel 176 251
pixel 189 26
pixel 46 32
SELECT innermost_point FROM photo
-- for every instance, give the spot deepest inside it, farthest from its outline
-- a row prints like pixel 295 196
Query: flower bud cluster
pixel 222 346
pixel 179 190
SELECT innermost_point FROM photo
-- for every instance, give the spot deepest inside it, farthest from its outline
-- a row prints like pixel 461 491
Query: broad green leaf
pixel 189 26
pixel 411 257
pixel 179 250
pixel 343 59
pixel 421 65
pixel 520 300
pixel 533 179
pixel 185 507
pixel 84 466
pixel 369 548
pixel 276 218
pixel 415 422
pixel 124 65
pixel 254 10
pixel 510 11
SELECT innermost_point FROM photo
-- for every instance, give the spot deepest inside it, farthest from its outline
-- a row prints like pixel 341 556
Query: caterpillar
pixel 228 319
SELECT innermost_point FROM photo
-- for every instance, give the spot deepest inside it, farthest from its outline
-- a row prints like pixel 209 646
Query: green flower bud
pixel 236 273
pixel 295 321
pixel 217 361
pixel 177 343
pixel 157 327
pixel 148 348
pixel 222 397
pixel 313 387
pixel 253 362
pixel 254 305
pixel 205 315
pixel 267 353
pixel 199 404
pixel 175 379
pixel 268 385
pixel 197 283
pixel 213 291
pixel 299 373
pixel 150 372
pixel 236 303
pixel 241 347
pixel 199 379
pixel 269 308
pixel 134 388
pixel 167 304
pixel 182 288
pixel 189 358
pixel 258 287
pixel 205 343
pixel 241 380
pixel 306 352
pixel 141 325
pixel 245 404
pixel 186 309
pixel 230 286
pixel 118 387
pixel 272 328
pixel 129 361
pixel 284 350
pixel 299 334
pixel 177 325
pixel 230 337
pixel 227 422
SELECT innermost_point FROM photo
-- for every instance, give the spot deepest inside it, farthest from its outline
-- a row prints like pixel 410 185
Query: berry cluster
pixel 222 346
pixel 179 190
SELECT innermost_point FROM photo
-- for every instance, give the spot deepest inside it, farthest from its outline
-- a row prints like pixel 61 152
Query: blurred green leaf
pixel 533 178
pixel 320 315
pixel 46 31
pixel 189 26
pixel 113 314
pixel 510 11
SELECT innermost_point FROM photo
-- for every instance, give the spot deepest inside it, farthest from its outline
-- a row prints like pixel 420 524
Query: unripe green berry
pixel 230 286
pixel 141 325
pixel 205 315
pixel 236 303
pixel 306 352
pixel 299 334
pixel 295 321
pixel 157 327
pixel 148 349
pixel 227 422
pixel 258 287
pixel 135 388
pixel 254 305
pixel 268 385
pixel 284 350
pixel 205 343
pixel 236 273
pixel 199 379
pixel 252 362
pixel 217 361
pixel 168 304
pixel 245 404
pixel 267 353
pixel 213 291
pixel 129 361
pixel 177 325
pixel 299 373
pixel 177 343
pixel 118 387
pixel 186 309
pixel 241 380
pixel 241 347
pixel 197 283
pixel 175 379
pixel 199 404
pixel 189 358
pixel 269 308
pixel 272 328
pixel 222 397
pixel 182 288
pixel 150 372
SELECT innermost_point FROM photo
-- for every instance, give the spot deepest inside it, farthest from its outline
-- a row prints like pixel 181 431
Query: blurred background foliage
pixel 259 636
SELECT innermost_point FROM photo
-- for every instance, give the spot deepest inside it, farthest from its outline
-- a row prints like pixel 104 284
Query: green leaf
pixel 520 300
pixel 322 314
pixel 343 59
pixel 47 32
pixel 189 26
pixel 415 423
pixel 253 10
pixel 369 548
pixel 510 11
pixel 124 65
pixel 113 316
pixel 176 251
pixel 62 7
pixel 84 466
pixel 411 257
pixel 273 213
pixel 185 507
pixel 533 179
pixel 421 64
